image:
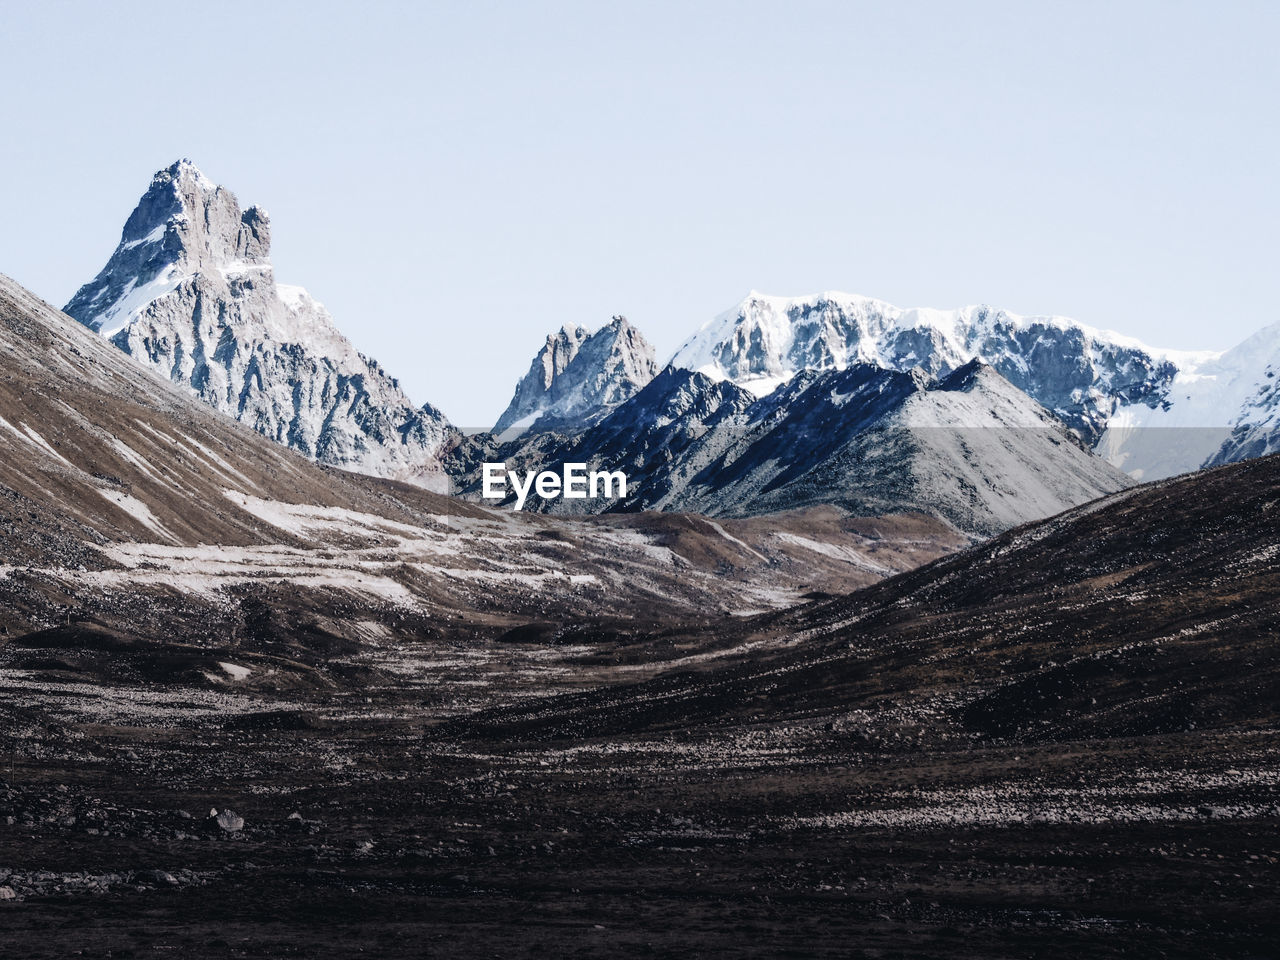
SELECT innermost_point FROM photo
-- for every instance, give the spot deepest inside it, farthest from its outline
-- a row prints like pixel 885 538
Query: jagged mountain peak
pixel 204 219
pixel 190 292
pixel 578 377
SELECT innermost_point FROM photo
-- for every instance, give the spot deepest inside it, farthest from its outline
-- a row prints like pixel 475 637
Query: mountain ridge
pixel 969 448
pixel 1153 412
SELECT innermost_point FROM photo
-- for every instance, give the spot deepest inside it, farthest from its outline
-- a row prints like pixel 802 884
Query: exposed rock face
pixel 969 448
pixel 190 292
pixel 1081 375
pixel 578 377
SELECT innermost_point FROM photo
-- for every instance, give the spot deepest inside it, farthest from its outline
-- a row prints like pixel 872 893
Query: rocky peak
pixel 559 351
pixel 190 292
pixel 201 222
pixel 578 377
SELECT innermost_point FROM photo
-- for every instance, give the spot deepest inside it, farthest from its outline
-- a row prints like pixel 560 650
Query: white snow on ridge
pixel 135 299
pixel 1205 401
pixel 767 320
pixel 294 297
pixel 152 237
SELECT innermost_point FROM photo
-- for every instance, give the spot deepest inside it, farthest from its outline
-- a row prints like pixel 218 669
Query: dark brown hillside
pixel 1154 611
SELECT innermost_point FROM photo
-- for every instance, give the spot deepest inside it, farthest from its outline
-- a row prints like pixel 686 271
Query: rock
pixel 230 821
pixel 577 378
pixel 190 292
pixel 7 893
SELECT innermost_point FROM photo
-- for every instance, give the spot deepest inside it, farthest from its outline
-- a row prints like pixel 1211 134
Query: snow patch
pixel 138 510
pixel 236 671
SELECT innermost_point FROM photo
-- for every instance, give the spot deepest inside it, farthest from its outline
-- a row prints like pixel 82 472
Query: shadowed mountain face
pixel 190 292
pixel 970 449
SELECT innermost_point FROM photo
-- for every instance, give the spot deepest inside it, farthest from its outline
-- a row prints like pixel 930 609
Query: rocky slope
pixel 970 449
pixel 190 293
pixel 577 378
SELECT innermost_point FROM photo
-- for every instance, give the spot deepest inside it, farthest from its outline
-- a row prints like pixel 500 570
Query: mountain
pixel 1081 375
pixel 1220 409
pixel 190 293
pixel 969 448
pixel 1152 412
pixel 652 437
pixel 577 377
pixel 127 503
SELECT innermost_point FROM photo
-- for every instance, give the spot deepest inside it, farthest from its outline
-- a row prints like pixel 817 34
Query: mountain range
pixel 131 504
pixel 969 448
pixel 261 693
pixel 1152 412
pixel 190 292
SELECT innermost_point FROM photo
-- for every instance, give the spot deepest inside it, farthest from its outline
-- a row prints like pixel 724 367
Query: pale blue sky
pixel 454 181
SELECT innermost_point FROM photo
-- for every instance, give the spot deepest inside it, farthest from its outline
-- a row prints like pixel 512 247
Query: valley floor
pixel 369 829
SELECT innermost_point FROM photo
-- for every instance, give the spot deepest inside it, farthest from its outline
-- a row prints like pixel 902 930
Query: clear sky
pixel 456 180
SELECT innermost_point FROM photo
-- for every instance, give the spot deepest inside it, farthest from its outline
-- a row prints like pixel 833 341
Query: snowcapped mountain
pixel 190 293
pixel 1255 432
pixel 1152 412
pixel 970 448
pixel 1219 409
pixel 577 377
pixel 1080 374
